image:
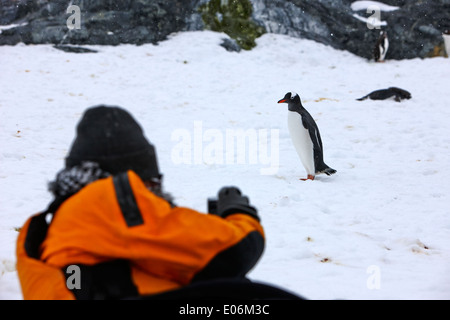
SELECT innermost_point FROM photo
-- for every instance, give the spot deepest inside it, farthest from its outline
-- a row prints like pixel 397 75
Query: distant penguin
pixel 305 137
pixel 446 37
pixel 381 47
pixel 384 94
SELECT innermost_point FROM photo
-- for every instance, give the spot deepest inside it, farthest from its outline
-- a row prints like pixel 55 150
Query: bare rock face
pixel 414 28
pixel 104 22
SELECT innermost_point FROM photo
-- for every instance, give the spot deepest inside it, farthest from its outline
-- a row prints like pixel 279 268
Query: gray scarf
pixel 71 180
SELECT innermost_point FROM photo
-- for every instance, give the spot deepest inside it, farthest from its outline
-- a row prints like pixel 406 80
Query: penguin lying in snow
pixel 305 137
pixel 381 47
pixel 383 94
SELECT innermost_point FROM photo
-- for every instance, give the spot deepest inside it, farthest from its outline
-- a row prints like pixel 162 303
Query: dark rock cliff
pixel 414 28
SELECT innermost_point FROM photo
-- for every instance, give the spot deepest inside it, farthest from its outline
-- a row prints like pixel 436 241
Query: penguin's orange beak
pixel 282 101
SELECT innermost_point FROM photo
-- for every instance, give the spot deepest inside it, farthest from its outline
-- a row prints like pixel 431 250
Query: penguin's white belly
pixel 384 51
pixel 301 141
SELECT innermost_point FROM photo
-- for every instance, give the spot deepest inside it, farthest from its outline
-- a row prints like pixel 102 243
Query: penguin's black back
pixel 310 124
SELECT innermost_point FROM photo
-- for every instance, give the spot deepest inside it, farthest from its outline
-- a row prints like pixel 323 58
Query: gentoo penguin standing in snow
pixel 381 47
pixel 305 137
pixel 446 36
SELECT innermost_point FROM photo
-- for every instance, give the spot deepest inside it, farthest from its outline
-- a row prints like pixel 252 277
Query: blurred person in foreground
pixel 111 232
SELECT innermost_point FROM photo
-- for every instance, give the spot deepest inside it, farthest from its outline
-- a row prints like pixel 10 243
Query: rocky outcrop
pixel 104 22
pixel 414 28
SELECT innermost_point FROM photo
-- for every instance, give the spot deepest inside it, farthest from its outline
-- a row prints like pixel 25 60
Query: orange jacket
pixel 159 248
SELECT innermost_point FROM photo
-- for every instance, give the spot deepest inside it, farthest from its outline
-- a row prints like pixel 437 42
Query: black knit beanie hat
pixel 110 136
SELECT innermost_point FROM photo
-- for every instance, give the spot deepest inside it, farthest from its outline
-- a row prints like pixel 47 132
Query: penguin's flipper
pixel 310 125
pixel 316 139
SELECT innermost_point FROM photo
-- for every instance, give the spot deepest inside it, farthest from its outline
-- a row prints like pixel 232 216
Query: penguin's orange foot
pixel 310 177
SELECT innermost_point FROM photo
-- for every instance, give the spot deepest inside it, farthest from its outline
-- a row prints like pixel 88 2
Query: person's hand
pixel 230 201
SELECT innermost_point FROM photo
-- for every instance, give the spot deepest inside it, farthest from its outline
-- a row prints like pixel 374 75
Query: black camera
pixel 212 205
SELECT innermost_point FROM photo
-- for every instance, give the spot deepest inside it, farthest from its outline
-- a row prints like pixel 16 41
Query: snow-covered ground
pixel 378 229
